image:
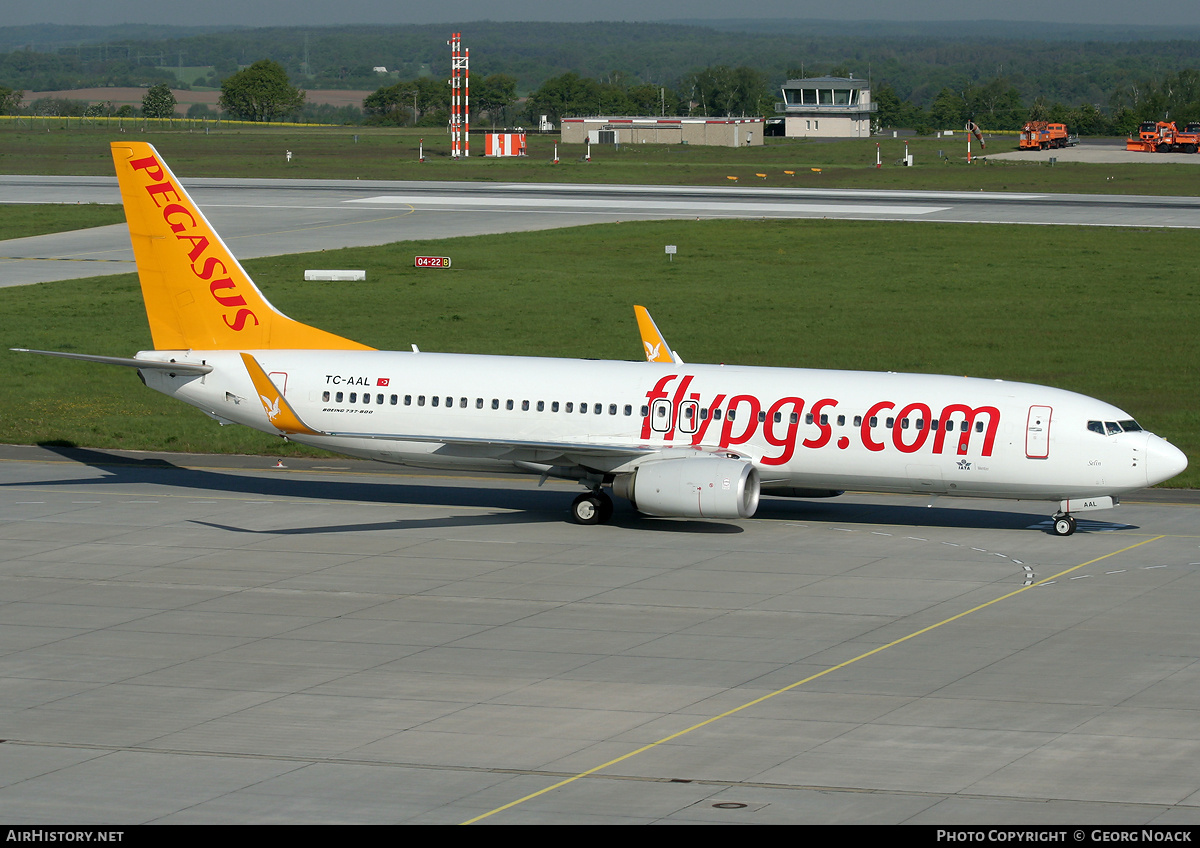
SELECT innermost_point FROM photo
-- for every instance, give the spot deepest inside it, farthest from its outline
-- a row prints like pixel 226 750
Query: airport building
pixel 826 107
pixel 722 132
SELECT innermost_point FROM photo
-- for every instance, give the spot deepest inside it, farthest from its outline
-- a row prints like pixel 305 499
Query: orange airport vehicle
pixel 1041 135
pixel 1164 137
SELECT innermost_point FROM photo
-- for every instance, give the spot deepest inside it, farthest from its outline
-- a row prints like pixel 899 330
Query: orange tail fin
pixel 197 295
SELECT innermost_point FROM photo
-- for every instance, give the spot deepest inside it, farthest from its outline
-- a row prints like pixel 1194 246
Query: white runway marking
pixel 730 207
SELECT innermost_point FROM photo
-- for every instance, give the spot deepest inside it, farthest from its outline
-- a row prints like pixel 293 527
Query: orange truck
pixel 1042 135
pixel 1164 137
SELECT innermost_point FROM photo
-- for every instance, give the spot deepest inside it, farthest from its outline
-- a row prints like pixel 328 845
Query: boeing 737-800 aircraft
pixel 676 439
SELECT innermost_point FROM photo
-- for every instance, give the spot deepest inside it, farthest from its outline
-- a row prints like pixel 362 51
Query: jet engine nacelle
pixel 699 487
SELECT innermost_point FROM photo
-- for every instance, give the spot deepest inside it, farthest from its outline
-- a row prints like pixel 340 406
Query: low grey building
pixel 723 132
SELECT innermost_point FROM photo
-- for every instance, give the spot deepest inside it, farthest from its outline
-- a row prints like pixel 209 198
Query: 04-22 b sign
pixel 431 261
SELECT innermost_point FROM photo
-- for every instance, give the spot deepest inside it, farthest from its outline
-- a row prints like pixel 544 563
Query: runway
pixel 273 217
pixel 190 639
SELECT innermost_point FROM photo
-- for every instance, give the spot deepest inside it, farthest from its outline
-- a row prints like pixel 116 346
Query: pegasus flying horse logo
pixel 271 407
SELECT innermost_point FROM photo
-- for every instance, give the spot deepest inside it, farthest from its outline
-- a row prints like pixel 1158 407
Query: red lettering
pixel 922 432
pixel 210 266
pixel 659 391
pixel 705 420
pixel 727 437
pixel 233 300
pixel 675 404
pixel 173 209
pixel 199 245
pixel 164 189
pixel 239 320
pixel 145 165
pixel 964 436
pixel 788 442
pixel 826 430
pixel 868 442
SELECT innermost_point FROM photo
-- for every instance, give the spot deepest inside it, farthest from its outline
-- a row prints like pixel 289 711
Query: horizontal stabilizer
pixel 174 367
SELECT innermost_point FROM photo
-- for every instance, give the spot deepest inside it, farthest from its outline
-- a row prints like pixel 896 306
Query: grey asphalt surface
pixel 207 639
pixel 273 217
pixel 192 639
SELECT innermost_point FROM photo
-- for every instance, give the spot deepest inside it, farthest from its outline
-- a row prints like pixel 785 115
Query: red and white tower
pixel 460 100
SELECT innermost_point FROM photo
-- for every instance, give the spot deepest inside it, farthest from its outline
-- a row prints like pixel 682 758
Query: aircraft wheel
pixel 588 508
pixel 1064 525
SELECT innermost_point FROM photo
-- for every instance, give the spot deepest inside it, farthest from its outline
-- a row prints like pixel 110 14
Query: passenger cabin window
pixel 325 397
pixel 338 397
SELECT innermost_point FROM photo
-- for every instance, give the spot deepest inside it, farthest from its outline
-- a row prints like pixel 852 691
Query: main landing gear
pixel 1064 525
pixel 594 507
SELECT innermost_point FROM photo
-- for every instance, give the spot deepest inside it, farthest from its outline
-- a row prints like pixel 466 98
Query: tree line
pixel 1072 71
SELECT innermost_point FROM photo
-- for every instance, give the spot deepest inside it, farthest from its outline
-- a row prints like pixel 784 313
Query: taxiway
pixel 273 217
pixel 211 639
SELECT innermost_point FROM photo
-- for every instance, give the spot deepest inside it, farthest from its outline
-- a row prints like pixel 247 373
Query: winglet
pixel 279 411
pixel 656 346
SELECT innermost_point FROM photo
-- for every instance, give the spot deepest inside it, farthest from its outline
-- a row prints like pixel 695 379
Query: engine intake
pixel 699 487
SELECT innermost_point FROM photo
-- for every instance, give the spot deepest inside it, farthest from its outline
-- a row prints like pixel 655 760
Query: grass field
pixel 333 153
pixel 36 219
pixel 1107 312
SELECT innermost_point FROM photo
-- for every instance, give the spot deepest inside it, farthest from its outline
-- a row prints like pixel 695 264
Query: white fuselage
pixel 868 431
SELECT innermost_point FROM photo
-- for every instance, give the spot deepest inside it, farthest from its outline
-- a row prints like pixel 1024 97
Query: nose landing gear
pixel 1064 524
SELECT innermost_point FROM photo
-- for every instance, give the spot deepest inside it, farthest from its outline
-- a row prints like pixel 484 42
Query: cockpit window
pixel 1130 426
pixel 1096 427
pixel 1112 427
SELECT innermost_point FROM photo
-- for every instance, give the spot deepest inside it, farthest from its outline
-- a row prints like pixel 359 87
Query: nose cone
pixel 1163 460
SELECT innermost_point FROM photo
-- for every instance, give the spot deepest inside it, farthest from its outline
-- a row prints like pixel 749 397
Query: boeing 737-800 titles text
pixel 675 439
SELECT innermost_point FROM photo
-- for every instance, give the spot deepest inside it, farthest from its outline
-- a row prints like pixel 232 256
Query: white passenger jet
pixel 700 441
